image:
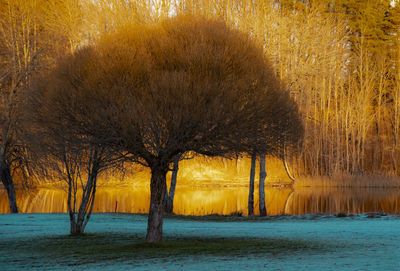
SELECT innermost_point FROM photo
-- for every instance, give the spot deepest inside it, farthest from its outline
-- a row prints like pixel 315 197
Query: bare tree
pixel 224 74
pixel 30 40
pixel 59 117
pixel 20 48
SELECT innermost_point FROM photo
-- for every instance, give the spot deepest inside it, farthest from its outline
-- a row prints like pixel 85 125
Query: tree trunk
pixel 251 185
pixel 169 197
pixel 76 227
pixel 80 220
pixel 157 204
pixel 285 164
pixel 261 191
pixel 7 181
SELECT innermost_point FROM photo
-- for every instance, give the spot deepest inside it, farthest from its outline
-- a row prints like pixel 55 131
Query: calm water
pixel 213 199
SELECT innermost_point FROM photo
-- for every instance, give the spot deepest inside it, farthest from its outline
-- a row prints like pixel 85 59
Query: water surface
pixel 218 199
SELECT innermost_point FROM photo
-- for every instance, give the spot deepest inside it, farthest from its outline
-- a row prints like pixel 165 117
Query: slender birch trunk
pixel 251 185
pixel 261 186
pixel 285 164
pixel 169 197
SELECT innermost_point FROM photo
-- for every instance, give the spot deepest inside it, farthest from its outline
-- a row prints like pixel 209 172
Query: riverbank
pixel 116 242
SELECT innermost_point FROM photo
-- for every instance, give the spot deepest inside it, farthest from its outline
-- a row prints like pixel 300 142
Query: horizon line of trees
pixel 340 60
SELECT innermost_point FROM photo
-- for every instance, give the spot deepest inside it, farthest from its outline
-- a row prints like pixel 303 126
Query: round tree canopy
pixel 186 84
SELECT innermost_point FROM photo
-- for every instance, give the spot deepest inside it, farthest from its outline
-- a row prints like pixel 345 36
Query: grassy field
pixel 116 242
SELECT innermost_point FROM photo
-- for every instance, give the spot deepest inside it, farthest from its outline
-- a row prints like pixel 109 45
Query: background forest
pixel 340 59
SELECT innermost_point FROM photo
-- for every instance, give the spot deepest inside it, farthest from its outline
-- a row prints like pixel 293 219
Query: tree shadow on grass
pixel 65 250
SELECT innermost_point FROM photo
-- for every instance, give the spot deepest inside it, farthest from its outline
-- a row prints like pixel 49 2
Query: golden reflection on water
pixel 343 200
pixel 225 200
pixel 215 186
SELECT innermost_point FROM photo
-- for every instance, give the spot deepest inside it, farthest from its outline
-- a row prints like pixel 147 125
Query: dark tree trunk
pixel 71 208
pixel 76 228
pixel 169 197
pixel 157 204
pixel 80 220
pixel 251 185
pixel 7 181
pixel 261 186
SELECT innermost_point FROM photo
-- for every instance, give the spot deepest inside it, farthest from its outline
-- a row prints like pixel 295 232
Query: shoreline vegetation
pixel 348 181
pixel 343 181
pixel 204 172
pixel 339 181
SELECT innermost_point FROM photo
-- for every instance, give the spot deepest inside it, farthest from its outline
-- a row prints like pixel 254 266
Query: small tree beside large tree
pixel 183 85
pixel 61 118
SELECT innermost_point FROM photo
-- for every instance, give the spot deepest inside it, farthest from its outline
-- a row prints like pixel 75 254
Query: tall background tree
pixel 31 38
pixel 21 45
pixel 342 80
